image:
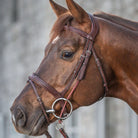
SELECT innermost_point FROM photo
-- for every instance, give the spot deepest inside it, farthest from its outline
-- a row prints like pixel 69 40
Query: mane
pixel 118 20
pixel 62 20
pixel 127 28
pixel 58 27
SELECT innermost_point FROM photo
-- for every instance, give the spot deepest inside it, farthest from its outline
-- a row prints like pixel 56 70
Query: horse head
pixel 58 74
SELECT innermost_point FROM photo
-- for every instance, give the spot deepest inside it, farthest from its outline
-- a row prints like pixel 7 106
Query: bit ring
pixel 71 108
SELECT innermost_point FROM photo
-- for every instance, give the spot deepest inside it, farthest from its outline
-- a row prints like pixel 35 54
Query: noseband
pixel 77 76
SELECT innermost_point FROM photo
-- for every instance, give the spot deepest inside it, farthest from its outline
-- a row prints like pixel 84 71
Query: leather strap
pixel 45 85
pixel 81 33
pixel 39 100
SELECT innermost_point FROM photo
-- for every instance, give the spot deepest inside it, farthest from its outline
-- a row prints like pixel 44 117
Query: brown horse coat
pixel 117 48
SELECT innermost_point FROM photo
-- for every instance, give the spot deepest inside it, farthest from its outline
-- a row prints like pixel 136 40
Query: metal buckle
pixel 60 126
pixel 89 37
pixel 88 51
pixel 62 99
pixel 82 56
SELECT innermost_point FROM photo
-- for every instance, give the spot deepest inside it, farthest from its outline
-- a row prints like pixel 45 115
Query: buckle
pixel 82 56
pixel 89 37
pixel 60 126
pixel 68 114
pixel 88 51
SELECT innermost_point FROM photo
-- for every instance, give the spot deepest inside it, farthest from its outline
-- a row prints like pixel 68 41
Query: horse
pixel 88 57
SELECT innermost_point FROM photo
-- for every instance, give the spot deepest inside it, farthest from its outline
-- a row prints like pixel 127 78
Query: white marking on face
pixel 13 118
pixel 55 40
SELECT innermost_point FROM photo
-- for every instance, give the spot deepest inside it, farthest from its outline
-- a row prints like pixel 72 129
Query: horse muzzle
pixel 30 124
pixel 18 116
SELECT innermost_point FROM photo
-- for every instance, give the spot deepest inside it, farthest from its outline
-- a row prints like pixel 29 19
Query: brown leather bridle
pixel 77 76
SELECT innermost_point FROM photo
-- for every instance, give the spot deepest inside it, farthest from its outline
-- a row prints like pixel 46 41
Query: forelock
pixel 58 27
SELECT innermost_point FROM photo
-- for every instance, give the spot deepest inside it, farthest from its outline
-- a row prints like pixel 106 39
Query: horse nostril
pixel 19 117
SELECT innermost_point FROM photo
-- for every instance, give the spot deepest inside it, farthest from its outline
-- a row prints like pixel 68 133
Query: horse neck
pixel 119 51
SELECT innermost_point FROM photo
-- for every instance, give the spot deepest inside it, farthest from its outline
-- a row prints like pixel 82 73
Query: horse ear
pixel 78 13
pixel 59 10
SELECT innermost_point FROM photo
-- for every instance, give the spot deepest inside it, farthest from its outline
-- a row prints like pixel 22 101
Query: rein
pixel 78 75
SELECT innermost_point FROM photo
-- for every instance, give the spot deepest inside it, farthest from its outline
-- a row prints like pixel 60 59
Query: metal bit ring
pixel 71 108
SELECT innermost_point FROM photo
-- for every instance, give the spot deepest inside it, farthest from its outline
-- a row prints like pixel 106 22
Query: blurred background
pixel 24 32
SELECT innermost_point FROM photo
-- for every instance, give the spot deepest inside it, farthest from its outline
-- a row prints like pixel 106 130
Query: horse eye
pixel 67 54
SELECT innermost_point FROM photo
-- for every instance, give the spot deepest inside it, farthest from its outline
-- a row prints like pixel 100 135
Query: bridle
pixel 78 75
